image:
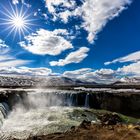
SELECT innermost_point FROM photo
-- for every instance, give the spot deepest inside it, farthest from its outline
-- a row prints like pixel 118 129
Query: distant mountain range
pixel 35 81
pixel 128 81
pixel 30 81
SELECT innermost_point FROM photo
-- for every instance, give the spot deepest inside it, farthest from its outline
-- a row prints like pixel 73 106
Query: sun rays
pixel 16 21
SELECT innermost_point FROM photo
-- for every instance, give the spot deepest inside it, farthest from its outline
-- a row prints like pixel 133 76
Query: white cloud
pixel 88 75
pixel 3 47
pixel 45 42
pixel 100 76
pixel 95 13
pixel 65 15
pixel 51 4
pixel 15 1
pixel 22 1
pixel 77 73
pixel 13 63
pixel 132 69
pixel 133 57
pixel 105 72
pixel 26 71
pixel 73 57
pixel 6 59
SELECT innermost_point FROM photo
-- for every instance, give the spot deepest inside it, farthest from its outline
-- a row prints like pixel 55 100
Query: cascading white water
pixel 1 115
pixel 42 98
pixel 87 100
pixel 3 112
pixel 41 112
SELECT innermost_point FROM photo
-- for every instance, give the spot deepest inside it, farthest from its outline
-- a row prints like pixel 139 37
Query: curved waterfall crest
pixel 37 99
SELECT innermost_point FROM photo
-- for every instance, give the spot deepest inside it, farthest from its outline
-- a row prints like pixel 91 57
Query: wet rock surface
pixel 110 128
pixel 127 102
pixel 110 119
pixel 88 131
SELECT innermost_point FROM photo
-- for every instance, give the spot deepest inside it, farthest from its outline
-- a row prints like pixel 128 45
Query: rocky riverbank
pixel 110 128
pixel 37 114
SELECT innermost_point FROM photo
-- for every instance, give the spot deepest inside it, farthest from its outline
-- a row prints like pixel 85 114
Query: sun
pixel 17 21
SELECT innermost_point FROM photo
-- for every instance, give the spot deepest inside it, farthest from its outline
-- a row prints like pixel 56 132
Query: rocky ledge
pixel 110 128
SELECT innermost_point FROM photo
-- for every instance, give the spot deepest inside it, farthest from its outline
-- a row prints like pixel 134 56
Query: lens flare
pixel 16 20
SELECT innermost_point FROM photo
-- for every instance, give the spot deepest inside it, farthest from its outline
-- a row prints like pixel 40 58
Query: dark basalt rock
pixel 127 103
pixel 110 119
pixel 85 124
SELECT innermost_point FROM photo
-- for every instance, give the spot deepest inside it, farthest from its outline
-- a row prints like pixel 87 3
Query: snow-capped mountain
pixel 130 80
pixel 27 81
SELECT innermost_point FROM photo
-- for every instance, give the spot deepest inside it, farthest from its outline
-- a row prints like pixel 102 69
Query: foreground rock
pixel 103 131
pixel 96 132
pixel 110 119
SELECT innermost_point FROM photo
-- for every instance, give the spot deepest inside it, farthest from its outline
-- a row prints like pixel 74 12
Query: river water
pixel 42 112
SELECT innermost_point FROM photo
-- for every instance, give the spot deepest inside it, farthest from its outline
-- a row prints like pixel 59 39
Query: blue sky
pixel 68 37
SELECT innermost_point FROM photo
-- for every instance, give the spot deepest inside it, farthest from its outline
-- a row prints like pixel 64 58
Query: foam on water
pixel 3 112
pixel 33 116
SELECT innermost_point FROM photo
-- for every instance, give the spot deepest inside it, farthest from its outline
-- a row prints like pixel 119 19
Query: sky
pixel 85 39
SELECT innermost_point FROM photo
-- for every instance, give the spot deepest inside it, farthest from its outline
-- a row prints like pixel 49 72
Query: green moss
pixel 125 119
pixel 128 119
pixel 91 114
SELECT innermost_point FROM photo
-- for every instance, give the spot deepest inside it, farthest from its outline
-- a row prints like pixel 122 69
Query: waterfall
pixel 4 109
pixel 34 110
pixel 40 99
pixel 72 99
pixel 50 98
pixel 87 100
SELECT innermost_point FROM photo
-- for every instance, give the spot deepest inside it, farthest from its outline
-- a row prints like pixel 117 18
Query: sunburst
pixel 16 20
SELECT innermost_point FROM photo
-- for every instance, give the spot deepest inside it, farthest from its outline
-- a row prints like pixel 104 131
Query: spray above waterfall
pixel 41 110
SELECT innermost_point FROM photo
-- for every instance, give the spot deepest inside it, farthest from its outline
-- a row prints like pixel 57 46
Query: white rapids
pixel 40 119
